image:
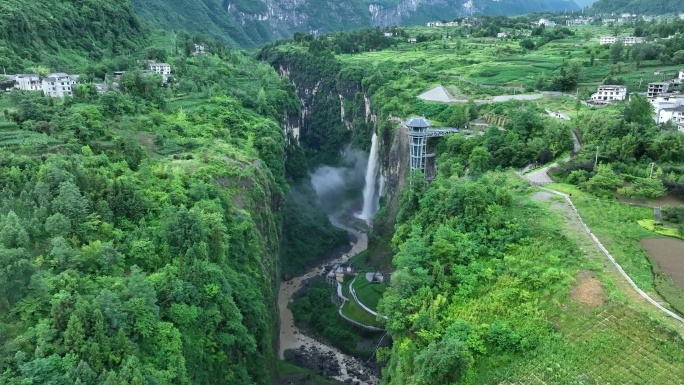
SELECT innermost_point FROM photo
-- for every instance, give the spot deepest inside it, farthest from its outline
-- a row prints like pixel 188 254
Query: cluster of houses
pixel 668 100
pixel 56 85
pixel 60 85
pixel 615 19
pixel 442 24
pixel 665 97
pixel 579 21
pixel 465 22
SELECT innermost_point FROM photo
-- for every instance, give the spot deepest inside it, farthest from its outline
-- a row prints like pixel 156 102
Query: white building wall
pixel 160 68
pixel 58 86
pixel 28 82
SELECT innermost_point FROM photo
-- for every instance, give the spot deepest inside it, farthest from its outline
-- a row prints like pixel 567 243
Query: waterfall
pixel 369 199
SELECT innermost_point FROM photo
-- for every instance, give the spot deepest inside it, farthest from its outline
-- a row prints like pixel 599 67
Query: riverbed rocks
pixel 323 363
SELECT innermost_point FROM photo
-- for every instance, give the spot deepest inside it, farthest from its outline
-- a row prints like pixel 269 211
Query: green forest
pixel 208 17
pixel 141 231
pixel 66 33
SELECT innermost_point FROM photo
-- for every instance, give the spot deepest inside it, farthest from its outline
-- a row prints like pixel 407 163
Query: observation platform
pixel 419 129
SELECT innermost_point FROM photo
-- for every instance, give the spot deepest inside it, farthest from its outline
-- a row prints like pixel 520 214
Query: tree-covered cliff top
pixel 66 31
pixel 139 230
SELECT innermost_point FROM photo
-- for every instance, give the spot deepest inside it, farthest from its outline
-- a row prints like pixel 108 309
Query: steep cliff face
pixel 252 22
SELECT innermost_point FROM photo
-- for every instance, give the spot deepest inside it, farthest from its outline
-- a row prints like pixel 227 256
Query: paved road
pixel 541 176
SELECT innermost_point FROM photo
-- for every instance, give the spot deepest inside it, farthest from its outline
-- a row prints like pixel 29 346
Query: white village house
pixel 669 106
pixel 27 82
pixel 545 22
pixel 199 49
pixel 674 115
pixel 58 85
pixel 609 93
pixel 160 68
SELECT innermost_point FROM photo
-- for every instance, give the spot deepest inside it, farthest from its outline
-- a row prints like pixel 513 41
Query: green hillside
pixel 65 33
pixel 210 17
pixel 649 7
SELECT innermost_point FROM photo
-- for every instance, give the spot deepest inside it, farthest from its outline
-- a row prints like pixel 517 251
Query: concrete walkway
pixel 356 299
pixel 541 176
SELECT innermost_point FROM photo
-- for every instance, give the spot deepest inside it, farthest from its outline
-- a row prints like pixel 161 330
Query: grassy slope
pixel 369 293
pixel 354 311
pixel 616 225
pixel 614 342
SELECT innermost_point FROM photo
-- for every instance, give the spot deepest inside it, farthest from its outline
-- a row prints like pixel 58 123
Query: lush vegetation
pixel 66 34
pixel 244 23
pixel 486 279
pixel 315 312
pixel 141 230
pixel 481 276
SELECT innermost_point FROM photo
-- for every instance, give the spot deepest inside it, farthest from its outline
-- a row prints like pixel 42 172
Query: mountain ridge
pixel 251 23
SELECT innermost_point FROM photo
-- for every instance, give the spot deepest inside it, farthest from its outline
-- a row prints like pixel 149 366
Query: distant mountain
pixel 649 7
pixel 251 22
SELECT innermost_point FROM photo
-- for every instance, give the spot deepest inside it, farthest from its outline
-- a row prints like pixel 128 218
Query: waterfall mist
pixel 339 188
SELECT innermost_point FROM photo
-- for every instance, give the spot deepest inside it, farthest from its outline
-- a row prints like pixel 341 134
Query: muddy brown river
pixel 293 338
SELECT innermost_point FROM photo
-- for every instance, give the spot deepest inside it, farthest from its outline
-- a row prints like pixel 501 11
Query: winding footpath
pixel 293 338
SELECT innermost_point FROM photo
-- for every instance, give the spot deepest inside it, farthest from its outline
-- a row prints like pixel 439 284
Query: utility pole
pixel 596 161
pixel 651 175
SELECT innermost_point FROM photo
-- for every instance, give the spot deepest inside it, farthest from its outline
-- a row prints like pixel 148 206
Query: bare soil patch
pixel 588 289
pixel 668 253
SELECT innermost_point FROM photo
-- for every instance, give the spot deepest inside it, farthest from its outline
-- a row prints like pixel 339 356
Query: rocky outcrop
pixel 395 164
